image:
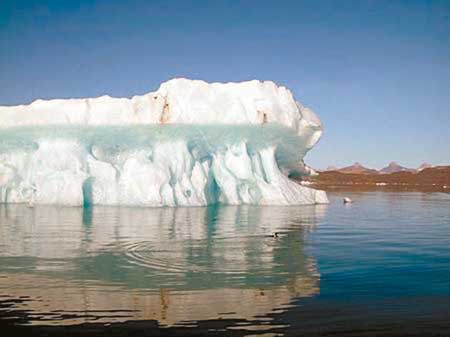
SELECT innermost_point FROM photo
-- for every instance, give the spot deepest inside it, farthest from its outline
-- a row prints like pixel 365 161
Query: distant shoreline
pixel 436 179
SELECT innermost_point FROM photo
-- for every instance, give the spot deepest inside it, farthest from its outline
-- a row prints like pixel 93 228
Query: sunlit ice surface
pixel 154 165
pixel 72 265
pixel 189 143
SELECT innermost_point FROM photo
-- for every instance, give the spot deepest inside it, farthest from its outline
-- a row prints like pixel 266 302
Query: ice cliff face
pixel 188 143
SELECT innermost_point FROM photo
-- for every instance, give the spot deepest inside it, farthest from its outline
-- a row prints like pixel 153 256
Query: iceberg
pixel 190 143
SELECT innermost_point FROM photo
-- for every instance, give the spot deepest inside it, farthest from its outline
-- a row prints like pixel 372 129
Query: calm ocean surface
pixel 379 266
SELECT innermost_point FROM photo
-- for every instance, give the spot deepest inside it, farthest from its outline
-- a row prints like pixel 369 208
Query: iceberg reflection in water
pixel 107 264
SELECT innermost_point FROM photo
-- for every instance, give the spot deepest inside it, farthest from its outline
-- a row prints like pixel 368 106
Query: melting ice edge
pixel 190 143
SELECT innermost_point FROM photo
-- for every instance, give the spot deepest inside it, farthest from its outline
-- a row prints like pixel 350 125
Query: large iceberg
pixel 189 143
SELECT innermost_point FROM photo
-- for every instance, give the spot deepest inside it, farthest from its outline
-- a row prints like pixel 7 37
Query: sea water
pixel 380 265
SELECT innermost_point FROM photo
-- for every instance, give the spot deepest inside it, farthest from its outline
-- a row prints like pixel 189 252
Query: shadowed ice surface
pixel 164 165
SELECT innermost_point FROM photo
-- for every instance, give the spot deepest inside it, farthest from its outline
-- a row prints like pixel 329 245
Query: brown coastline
pixel 435 179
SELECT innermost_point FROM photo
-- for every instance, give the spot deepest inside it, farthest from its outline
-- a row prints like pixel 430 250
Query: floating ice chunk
pixel 347 200
pixel 190 143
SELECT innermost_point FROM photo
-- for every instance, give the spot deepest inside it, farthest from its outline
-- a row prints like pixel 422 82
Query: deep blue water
pixel 379 266
pixel 384 245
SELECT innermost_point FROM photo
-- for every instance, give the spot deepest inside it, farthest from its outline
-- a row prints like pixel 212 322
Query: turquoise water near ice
pixel 380 265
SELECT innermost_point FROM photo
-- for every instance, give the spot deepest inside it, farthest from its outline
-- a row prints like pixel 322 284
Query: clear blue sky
pixel 376 72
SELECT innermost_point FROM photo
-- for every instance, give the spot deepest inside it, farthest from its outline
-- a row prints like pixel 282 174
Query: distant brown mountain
pixel 429 179
pixel 424 166
pixel 393 167
pixel 356 168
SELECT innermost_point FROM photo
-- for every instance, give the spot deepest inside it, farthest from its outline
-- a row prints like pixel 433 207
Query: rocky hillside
pixel 429 179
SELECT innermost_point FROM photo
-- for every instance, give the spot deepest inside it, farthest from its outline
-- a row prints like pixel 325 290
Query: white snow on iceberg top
pixel 176 101
pixel 188 143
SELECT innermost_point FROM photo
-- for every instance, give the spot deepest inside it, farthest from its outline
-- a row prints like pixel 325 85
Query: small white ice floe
pixel 347 200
